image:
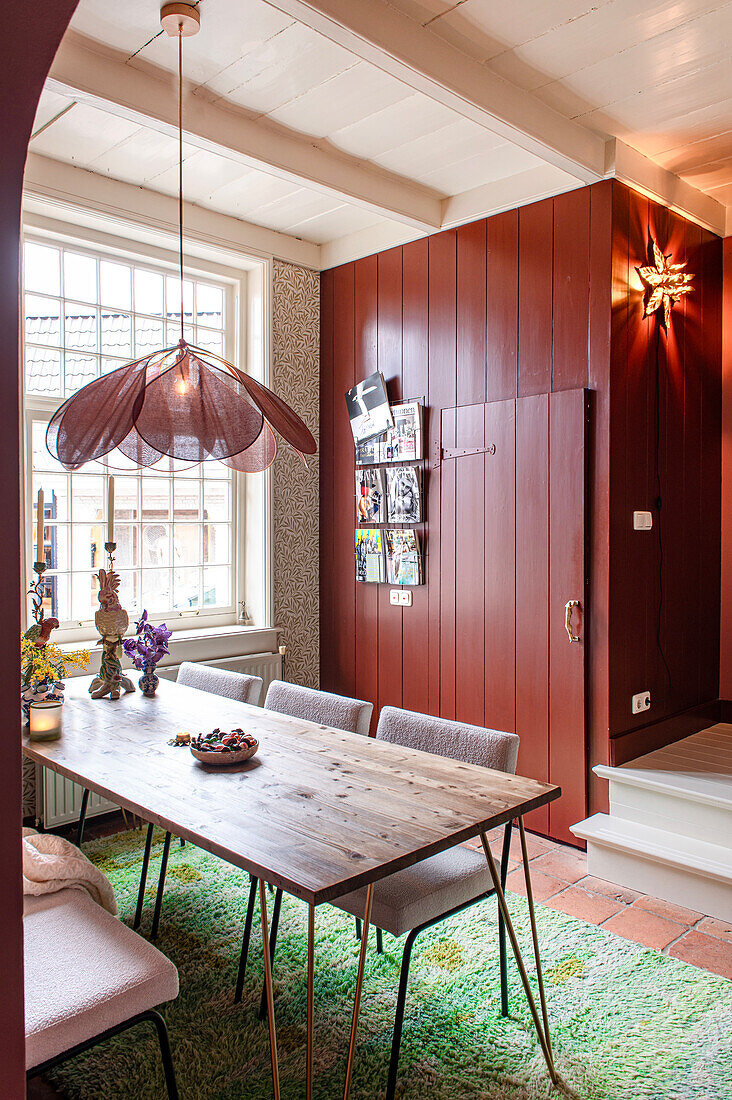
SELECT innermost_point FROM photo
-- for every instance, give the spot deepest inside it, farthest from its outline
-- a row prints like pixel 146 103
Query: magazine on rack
pixel 369 555
pixel 403 557
pixel 370 497
pixel 368 408
pixel 403 491
pixel 400 442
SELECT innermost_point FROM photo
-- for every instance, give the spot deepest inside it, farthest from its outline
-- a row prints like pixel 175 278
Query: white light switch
pixel 642 521
pixel 394 595
pixel 405 598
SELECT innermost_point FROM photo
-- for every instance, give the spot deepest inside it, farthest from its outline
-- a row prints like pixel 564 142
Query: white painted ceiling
pixel 654 73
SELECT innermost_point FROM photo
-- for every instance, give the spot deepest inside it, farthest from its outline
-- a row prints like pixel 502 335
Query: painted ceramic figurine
pixel 112 622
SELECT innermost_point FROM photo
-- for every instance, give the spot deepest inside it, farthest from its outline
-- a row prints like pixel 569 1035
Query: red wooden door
pixel 568 421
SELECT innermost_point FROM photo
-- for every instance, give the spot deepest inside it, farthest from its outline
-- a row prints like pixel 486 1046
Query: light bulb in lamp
pixel 45 720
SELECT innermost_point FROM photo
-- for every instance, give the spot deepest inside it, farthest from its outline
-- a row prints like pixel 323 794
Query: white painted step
pixel 684 788
pixel 690 872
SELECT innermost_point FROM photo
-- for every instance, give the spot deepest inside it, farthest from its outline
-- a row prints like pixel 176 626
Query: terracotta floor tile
pixel 543 886
pixel 707 952
pixel 564 863
pixel 643 927
pixel 667 909
pixel 609 889
pixel 594 908
pixel 535 845
pixel 722 929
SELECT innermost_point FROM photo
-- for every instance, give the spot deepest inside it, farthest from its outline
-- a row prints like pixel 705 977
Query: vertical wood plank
pixel 502 297
pixel 693 567
pixel 536 228
pixel 415 344
pixel 390 364
pixel 567 757
pixel 344 571
pixel 367 595
pixel 711 466
pixel 532 593
pixel 499 535
pixel 471 313
pixel 441 542
pixel 328 596
pixel 570 306
pixel 469 474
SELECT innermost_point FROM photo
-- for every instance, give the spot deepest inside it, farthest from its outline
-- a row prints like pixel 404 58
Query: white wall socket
pixel 394 595
pixel 641 702
pixel 642 521
pixel 400 596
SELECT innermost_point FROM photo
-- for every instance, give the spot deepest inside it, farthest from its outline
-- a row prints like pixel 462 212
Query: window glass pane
pixel 41 268
pixel 216 586
pixel 125 499
pixel 40 456
pixel 87 545
pixel 56 603
pixel 84 602
pixel 129 593
pixel 209 305
pixel 78 370
pixel 217 543
pixel 186 595
pixel 186 497
pixel 126 537
pixel 117 334
pixel 149 336
pixel 155 498
pixel 172 298
pixel 80 277
pixel 208 340
pixel 55 487
pixel 216 500
pixel 186 544
pixel 88 500
pixel 43 372
pixel 108 365
pixel 80 327
pixel 57 546
pixel 148 292
pixel 217 469
pixel 172 334
pixel 42 320
pixel 115 287
pixel 156 544
pixel 157 589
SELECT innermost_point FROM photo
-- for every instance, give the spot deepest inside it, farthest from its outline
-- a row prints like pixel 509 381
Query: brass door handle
pixel 568 609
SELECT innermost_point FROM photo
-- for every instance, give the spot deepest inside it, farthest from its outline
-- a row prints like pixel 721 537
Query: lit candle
pixel 40 527
pixel 45 720
pixel 110 510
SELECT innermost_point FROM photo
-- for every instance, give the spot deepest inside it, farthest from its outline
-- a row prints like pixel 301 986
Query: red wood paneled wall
pixel 689 476
pixel 533 301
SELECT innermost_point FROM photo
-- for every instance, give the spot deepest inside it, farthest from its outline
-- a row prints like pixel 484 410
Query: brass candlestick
pixel 112 621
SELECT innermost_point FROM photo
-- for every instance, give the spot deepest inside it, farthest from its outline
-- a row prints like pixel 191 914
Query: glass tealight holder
pixel 45 720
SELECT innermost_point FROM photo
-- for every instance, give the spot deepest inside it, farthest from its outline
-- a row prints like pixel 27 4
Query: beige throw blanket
pixel 51 863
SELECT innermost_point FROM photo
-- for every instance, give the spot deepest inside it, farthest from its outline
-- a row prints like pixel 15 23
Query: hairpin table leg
pixel 268 990
pixel 311 1003
pixel 541 1031
pixel 359 986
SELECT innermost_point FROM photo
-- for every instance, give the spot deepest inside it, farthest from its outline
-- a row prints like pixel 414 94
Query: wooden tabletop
pixel 318 811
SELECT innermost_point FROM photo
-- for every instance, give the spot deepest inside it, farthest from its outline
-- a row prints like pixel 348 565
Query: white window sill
pixel 204 644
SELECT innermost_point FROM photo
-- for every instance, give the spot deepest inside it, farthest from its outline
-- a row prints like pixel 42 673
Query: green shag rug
pixel 627 1023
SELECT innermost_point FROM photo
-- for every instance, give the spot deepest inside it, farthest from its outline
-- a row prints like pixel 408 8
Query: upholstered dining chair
pixel 217 681
pixel 337 711
pixel 421 896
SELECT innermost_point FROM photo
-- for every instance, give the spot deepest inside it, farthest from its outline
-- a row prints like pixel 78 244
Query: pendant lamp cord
pixel 180 170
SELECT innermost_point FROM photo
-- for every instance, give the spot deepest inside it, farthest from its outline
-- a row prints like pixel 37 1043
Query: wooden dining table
pixel 318 812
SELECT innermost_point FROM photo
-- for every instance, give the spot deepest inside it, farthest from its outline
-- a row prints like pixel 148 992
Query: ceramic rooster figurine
pixel 112 621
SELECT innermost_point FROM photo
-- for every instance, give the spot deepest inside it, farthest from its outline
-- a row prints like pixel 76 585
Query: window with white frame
pixel 87 311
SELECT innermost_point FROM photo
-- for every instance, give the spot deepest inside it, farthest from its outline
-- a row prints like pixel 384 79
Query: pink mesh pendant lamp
pixel 181 405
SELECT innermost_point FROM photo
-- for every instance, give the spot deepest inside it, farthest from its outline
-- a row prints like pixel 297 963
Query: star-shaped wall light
pixel 665 283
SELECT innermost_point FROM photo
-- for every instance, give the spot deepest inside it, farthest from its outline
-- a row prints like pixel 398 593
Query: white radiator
pixel 61 799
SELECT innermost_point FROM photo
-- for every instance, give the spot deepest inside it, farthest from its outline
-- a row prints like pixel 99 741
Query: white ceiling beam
pixel 641 173
pixel 103 79
pixel 378 33
pixel 55 189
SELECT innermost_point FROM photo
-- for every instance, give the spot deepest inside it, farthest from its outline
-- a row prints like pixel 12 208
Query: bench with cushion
pixel 88 977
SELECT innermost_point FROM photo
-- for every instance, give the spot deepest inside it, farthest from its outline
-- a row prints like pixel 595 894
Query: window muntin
pixel 86 314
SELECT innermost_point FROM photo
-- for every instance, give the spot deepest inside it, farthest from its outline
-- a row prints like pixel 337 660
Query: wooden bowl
pixel 222 759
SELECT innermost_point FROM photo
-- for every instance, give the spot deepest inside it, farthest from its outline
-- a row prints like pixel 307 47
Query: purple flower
pixel 150 644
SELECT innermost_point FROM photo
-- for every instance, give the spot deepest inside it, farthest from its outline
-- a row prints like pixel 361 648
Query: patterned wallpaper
pixel 296 378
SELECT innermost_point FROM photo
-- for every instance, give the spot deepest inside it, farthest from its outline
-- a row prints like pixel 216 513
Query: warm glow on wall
pixel 665 284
